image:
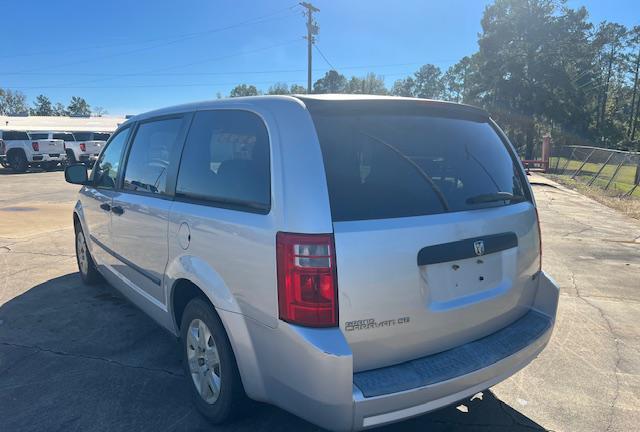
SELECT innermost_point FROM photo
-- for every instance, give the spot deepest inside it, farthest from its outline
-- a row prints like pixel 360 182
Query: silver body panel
pixel 230 255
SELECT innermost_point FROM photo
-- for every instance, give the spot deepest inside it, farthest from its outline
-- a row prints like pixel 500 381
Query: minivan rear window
pixel 387 164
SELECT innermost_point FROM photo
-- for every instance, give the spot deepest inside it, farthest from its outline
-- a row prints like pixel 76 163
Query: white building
pixel 60 123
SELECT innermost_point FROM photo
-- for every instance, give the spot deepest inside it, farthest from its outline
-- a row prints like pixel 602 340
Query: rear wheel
pixel 18 161
pixel 210 365
pixel 86 266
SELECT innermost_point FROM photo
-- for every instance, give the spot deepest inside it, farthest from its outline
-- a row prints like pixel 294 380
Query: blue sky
pixel 132 56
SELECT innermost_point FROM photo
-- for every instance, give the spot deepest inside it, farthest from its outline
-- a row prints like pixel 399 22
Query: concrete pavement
pixel 78 357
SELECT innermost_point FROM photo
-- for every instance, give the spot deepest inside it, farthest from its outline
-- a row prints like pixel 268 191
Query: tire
pixel 86 266
pixel 231 400
pixel 18 161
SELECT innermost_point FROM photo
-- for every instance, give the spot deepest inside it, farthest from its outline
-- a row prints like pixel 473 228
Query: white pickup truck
pixel 19 151
pixel 86 147
pixel 67 137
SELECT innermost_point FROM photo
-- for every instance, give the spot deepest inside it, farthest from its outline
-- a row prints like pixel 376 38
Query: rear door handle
pixel 117 210
pixel 105 207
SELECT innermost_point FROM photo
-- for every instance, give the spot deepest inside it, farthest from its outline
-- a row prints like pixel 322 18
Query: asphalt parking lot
pixel 74 357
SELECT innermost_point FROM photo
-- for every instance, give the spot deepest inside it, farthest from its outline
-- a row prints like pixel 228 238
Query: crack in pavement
pixel 34 237
pixel 13 252
pixel 580 231
pixel 44 254
pixel 616 340
pixel 89 357
pixel 31 269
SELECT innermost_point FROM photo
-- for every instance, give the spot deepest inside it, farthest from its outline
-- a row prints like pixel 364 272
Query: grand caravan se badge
pixel 371 323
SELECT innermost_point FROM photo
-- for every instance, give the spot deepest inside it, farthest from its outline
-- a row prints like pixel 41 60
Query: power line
pixel 144 41
pixel 207 60
pixel 118 75
pixel 208 84
pixel 324 57
pixel 188 36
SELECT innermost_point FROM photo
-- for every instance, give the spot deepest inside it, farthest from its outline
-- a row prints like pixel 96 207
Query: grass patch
pixel 623 181
pixel 611 198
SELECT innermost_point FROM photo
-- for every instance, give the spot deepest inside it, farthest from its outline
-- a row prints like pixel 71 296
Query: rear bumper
pixel 61 157
pixel 87 157
pixel 309 372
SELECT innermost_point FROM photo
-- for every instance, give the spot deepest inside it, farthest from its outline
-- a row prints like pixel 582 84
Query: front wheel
pixel 210 365
pixel 86 266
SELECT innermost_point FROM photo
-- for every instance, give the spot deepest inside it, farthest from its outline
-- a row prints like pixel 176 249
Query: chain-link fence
pixel 615 171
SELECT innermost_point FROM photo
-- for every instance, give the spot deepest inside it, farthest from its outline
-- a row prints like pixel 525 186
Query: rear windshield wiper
pixel 421 172
pixel 493 197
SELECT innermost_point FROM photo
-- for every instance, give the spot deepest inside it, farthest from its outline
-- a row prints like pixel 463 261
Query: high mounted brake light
pixel 307 284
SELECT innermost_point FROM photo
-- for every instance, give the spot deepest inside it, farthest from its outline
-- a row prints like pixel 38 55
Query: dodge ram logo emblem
pixel 478 247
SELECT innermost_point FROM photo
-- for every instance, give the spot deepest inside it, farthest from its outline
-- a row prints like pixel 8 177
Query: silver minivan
pixel 354 260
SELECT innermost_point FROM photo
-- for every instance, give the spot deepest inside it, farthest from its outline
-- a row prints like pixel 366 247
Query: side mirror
pixel 76 174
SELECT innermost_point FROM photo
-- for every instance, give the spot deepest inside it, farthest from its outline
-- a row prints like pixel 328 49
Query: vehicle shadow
pixel 9 171
pixel 79 357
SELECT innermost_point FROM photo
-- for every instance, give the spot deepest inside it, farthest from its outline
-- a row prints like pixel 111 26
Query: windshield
pixel 385 165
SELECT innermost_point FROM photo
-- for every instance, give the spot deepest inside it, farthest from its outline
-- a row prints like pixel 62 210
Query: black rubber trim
pixel 456 362
pixel 119 257
pixel 464 249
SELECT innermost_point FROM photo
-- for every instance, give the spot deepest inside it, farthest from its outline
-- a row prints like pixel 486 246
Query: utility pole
pixel 312 30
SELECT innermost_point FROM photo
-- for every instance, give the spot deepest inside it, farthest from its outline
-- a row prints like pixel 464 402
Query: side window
pixel 105 171
pixel 226 161
pixel 148 161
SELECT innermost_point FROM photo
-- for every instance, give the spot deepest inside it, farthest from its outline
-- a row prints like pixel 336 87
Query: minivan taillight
pixel 307 283
pixel 35 146
pixel 83 147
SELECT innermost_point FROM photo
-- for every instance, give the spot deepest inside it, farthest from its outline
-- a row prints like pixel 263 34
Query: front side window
pixel 226 161
pixel 148 161
pixel 106 168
